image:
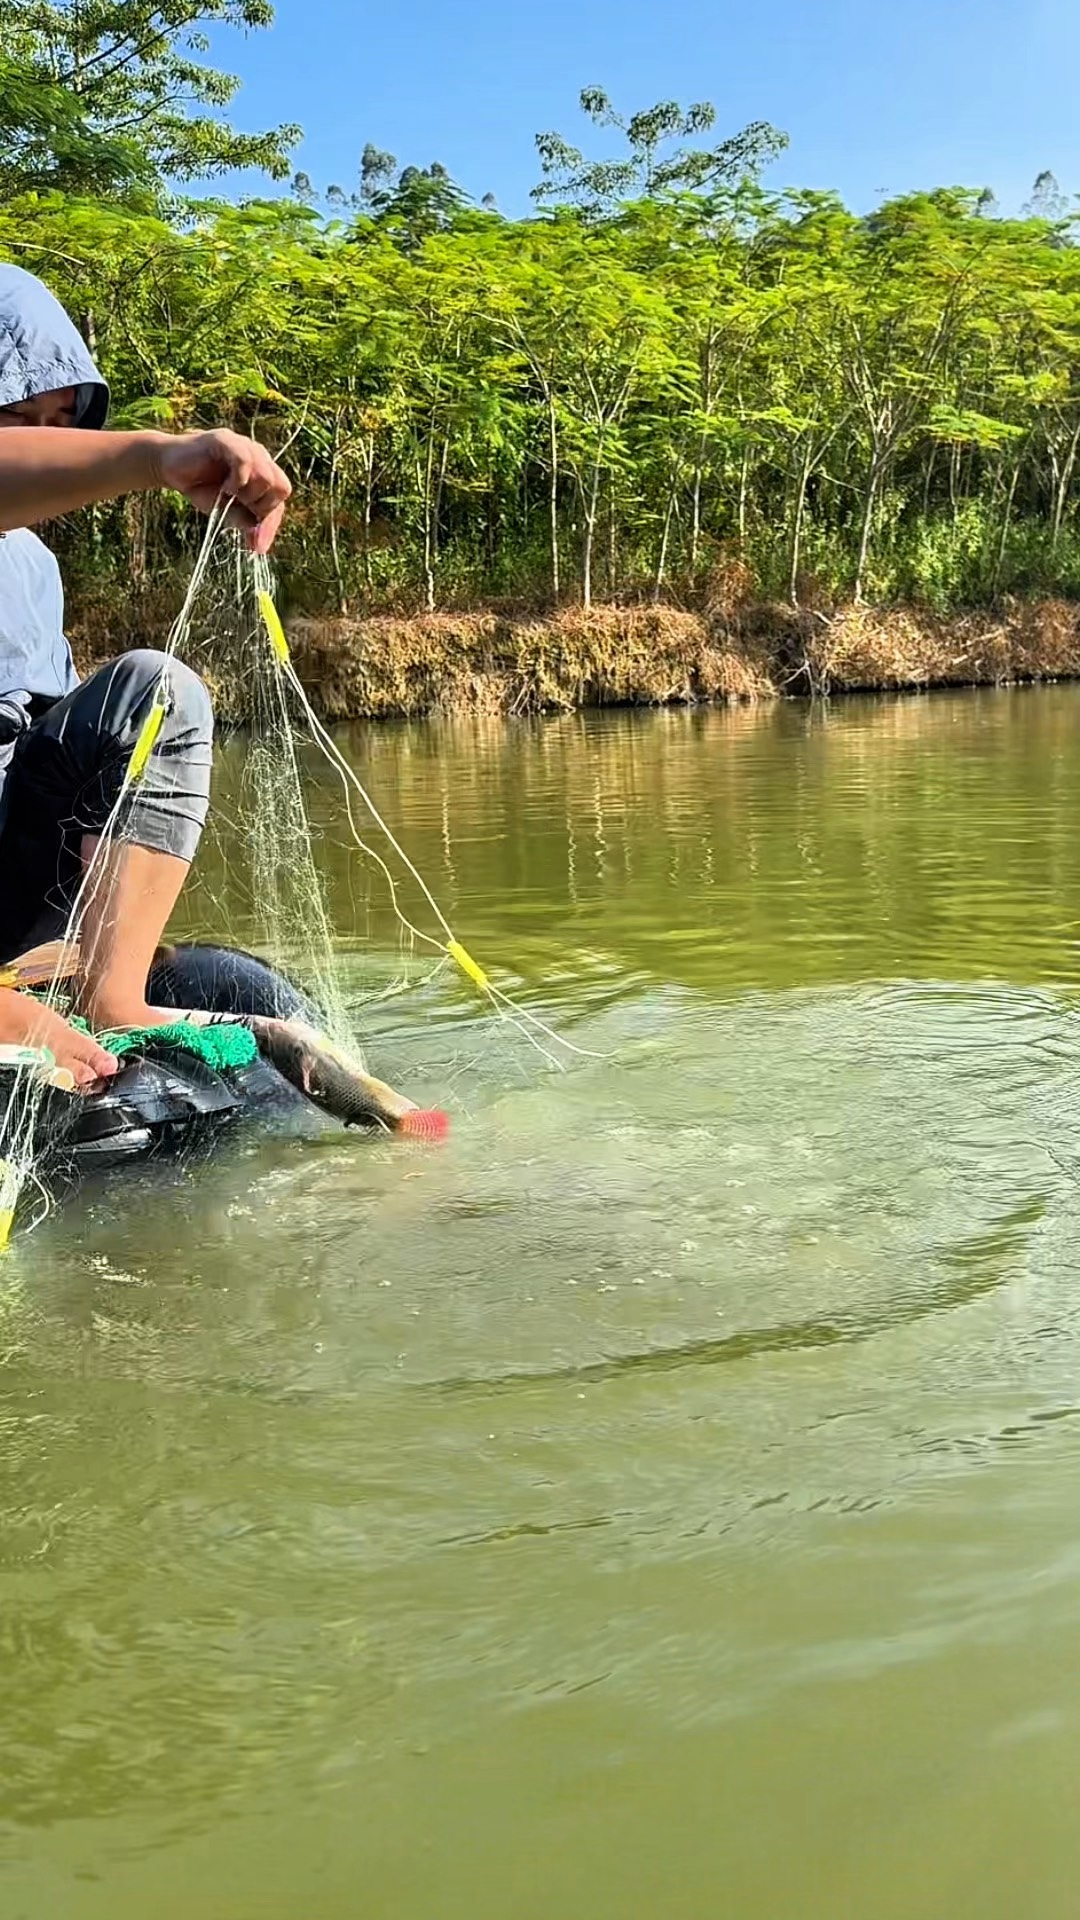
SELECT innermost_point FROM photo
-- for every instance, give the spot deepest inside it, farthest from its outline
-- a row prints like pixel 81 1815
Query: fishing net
pixel 227 1048
pixel 263 880
pixel 28 1087
pixel 258 876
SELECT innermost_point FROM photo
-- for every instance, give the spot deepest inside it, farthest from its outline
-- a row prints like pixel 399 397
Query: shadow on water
pixel 982 1264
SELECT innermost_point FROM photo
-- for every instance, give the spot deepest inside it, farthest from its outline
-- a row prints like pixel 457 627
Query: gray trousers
pixel 65 777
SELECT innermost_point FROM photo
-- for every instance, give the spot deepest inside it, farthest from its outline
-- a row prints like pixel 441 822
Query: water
pixel 663 1500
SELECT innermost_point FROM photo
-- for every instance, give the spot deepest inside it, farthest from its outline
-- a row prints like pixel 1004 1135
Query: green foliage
pixel 647 170
pixel 48 138
pixel 98 95
pixel 679 381
pixel 409 204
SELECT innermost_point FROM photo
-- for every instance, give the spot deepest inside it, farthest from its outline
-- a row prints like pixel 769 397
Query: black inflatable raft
pixel 164 1099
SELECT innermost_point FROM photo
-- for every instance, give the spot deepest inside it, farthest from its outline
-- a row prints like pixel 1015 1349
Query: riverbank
pixel 394 666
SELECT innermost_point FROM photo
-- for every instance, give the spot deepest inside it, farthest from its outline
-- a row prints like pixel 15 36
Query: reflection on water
pixel 663 1497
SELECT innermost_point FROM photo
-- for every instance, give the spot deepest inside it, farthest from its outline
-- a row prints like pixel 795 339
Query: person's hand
pixel 204 465
pixel 26 1023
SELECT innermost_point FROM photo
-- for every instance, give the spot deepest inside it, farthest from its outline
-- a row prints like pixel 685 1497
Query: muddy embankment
pixel 397 666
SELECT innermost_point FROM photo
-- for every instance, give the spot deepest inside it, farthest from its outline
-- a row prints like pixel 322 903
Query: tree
pixel 101 93
pixel 377 170
pixel 901 299
pixel 424 201
pixel 1047 200
pixel 481 408
pixel 598 186
pixel 595 337
pixel 410 204
pixel 47 138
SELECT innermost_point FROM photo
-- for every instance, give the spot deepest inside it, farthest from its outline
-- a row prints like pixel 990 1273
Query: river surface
pixel 661 1502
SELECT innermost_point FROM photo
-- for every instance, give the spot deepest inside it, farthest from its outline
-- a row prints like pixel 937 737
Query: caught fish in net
pixel 264 860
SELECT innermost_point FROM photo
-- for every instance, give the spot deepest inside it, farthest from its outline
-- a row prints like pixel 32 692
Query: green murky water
pixel 661 1502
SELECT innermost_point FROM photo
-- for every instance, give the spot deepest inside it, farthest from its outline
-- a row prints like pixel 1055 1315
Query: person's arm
pixel 47 471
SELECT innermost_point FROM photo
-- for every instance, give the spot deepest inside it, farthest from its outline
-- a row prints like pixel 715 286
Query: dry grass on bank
pixel 484 662
pixel 864 647
pixel 406 666
pixel 636 656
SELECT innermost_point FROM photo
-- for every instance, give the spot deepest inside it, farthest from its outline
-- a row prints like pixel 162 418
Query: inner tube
pixel 165 1101
pixel 224 980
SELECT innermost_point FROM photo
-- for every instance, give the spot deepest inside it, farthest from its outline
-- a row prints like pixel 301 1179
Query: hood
pixel 41 349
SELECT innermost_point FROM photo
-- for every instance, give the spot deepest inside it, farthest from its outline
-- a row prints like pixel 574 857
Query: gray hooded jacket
pixel 40 351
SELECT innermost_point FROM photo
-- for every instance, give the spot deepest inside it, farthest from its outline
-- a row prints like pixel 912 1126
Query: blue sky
pixel 877 98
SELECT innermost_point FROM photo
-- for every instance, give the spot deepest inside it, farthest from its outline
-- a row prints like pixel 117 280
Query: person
pixel 65 744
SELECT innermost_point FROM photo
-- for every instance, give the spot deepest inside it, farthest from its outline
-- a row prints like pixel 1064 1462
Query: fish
pixel 312 1063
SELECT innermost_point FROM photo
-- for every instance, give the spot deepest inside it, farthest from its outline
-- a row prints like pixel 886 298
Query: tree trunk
pixel 136 515
pixel 744 482
pixel 429 544
pixel 665 539
pixel 867 524
pixel 335 546
pixel 1061 491
pixel 369 501
pixel 553 500
pixel 928 481
pixel 491 525
pixel 954 475
pixel 797 527
pixel 436 514
pixel 1006 518
pixel 590 507
pixel 695 522
pixel 699 464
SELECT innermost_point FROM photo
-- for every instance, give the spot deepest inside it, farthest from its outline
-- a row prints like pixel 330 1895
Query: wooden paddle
pixel 55 960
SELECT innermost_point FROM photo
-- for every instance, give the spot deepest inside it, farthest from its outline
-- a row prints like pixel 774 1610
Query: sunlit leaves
pixel 99 96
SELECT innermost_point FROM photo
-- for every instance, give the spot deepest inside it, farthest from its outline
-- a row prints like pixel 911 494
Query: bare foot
pixel 108 1015
pixel 26 1023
